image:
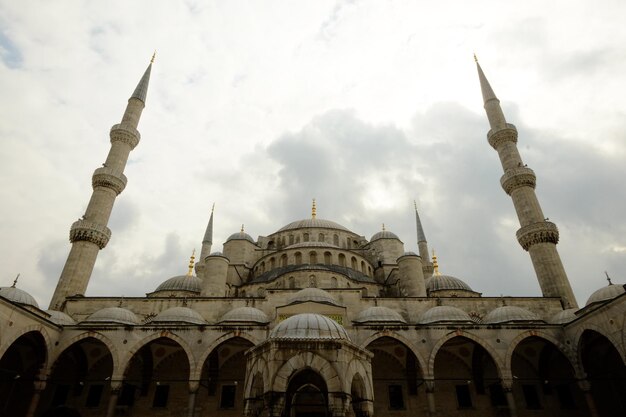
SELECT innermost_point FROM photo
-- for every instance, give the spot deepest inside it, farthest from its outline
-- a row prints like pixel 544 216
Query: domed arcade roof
pixel 379 314
pixel 309 326
pixel 603 294
pixel 112 315
pixel 315 295
pixel 564 316
pixel 313 223
pixel 508 314
pixel 179 315
pixel 181 283
pixel 58 317
pixel 18 296
pixel 444 313
pixel 446 282
pixel 244 315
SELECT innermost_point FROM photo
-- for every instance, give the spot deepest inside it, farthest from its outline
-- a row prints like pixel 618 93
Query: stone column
pixel 193 393
pixel 585 387
pixel 40 386
pixel 507 386
pixel 430 396
pixel 113 396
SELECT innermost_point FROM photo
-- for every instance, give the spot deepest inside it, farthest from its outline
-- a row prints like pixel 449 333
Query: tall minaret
pixel 207 241
pixel 90 233
pixel 422 245
pixel 536 235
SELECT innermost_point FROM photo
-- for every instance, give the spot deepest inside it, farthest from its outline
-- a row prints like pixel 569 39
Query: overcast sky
pixel 262 106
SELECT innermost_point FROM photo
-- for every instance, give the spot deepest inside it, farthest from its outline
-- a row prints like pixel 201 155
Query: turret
pixel 422 244
pixel 90 234
pixel 411 275
pixel 536 235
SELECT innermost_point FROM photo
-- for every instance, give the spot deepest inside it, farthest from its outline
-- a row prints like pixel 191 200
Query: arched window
pixel 298 257
pixel 349 242
pixel 312 281
pixel 270 244
pixel 336 240
pixel 283 260
pixel 291 239
pixel 298 239
pixel 333 282
pixel 262 267
pixel 312 258
pixel 328 258
pixel 320 237
pixel 272 263
pixel 354 263
pixel 305 237
pixel 369 270
pixel 342 259
pixel 292 282
pixel 363 267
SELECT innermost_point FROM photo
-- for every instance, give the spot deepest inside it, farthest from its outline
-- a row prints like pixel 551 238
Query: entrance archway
pixel 307 395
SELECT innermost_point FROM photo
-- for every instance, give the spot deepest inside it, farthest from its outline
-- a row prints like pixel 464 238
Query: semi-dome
pixel 509 314
pixel 564 316
pixel 313 223
pixel 58 317
pixel 181 283
pixel 384 234
pixel 379 314
pixel 603 294
pixel 18 296
pixel 179 315
pixel 112 315
pixel 240 236
pixel 315 295
pixel 446 282
pixel 439 314
pixel 244 315
pixel 309 326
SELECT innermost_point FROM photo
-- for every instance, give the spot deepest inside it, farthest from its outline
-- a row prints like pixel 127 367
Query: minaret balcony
pixel 500 136
pixel 540 232
pixel 86 230
pixel 125 134
pixel 105 177
pixel 518 177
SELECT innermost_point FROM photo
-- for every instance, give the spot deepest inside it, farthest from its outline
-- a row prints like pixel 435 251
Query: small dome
pixel 309 326
pixel 240 236
pixel 179 315
pixel 216 253
pixel 509 314
pixel 315 295
pixel 18 296
pixel 312 245
pixel 564 316
pixel 409 253
pixel 444 314
pixel 313 223
pixel 379 314
pixel 446 282
pixel 385 234
pixel 112 315
pixel 181 283
pixel 58 317
pixel 605 293
pixel 244 315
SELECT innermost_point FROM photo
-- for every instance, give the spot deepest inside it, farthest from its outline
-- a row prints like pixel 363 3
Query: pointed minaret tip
pixel 475 58
pixel 421 236
pixel 141 91
pixel 208 234
pixel 485 87
pixel 154 55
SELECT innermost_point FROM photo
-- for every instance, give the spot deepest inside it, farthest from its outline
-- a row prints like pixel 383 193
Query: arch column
pixel 585 387
pixel 116 386
pixel 507 387
pixel 193 393
pixel 40 386
pixel 430 396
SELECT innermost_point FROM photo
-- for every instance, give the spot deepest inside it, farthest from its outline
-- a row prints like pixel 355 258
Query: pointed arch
pixel 196 371
pixel 409 344
pixel 307 360
pixel 589 326
pixel 258 366
pixel 62 347
pixel 33 328
pixel 567 352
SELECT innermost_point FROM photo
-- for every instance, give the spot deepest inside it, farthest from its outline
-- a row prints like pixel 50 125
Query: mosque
pixel 313 320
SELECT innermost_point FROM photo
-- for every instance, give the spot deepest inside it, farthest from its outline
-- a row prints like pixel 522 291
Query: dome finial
pixel 18 277
pixel 608 278
pixel 191 262
pixel 241 231
pixel 383 227
pixel 313 210
pixel 435 264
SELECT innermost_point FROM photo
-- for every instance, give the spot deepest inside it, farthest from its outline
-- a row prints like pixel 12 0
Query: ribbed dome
pixel 60 318
pixel 181 283
pixel 564 316
pixel 309 326
pixel 244 315
pixel 385 234
pixel 313 223
pixel 379 314
pixel 18 296
pixel 444 314
pixel 112 315
pixel 312 245
pixel 179 315
pixel 312 294
pixel 240 236
pixel 605 293
pixel 508 314
pixel 446 282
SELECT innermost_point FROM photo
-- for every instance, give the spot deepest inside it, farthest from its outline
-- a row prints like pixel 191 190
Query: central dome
pixel 309 326
pixel 313 223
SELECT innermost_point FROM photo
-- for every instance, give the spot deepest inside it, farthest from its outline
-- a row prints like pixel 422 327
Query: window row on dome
pixel 355 262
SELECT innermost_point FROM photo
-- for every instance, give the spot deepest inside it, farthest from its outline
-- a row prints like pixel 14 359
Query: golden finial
pixel 241 231
pixel 153 56
pixel 383 227
pixel 313 210
pixel 18 276
pixel 475 58
pixel 435 264
pixel 191 262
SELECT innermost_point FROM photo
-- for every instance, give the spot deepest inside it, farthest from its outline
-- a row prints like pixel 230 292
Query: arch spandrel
pixel 307 360
pixel 63 346
pixel 495 356
pixel 397 336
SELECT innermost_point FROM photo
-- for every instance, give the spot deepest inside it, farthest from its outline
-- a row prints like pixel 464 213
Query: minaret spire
pixel 90 233
pixel 422 245
pixel 207 241
pixel 536 235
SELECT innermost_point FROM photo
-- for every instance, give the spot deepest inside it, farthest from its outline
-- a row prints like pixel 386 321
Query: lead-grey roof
pixel 141 91
pixel 446 282
pixel 244 315
pixel 309 326
pixel 313 223
pixel 564 316
pixel 439 314
pixel 18 296
pixel 316 295
pixel 112 315
pixel 179 315
pixel 181 283
pixel 58 317
pixel 379 314
pixel 384 234
pixel 605 293
pixel 508 314
pixel 240 236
